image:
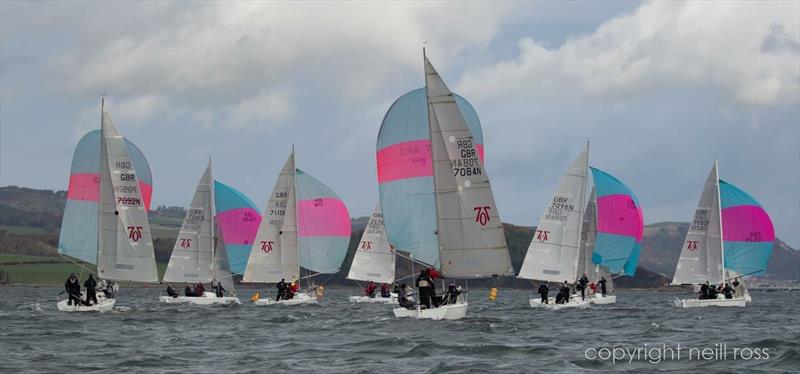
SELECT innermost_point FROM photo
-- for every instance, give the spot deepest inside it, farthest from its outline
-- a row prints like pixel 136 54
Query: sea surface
pixel 142 335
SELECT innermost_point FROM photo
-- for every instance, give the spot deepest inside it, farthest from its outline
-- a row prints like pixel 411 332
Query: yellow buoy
pixel 255 297
pixel 320 291
pixel 493 294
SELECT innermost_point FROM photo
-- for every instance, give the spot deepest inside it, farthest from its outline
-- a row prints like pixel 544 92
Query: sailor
pixel 704 291
pixel 199 290
pixel 582 285
pixel 370 290
pixel 171 291
pixel 73 289
pixel 385 290
pixel 728 291
pixel 220 291
pixel 281 286
pixel 110 290
pixel 451 296
pixel 405 296
pixel 543 292
pixel 602 283
pixel 736 285
pixel 91 287
pixel 396 287
pixel 712 292
pixel 565 293
pixel 424 283
pixel 188 291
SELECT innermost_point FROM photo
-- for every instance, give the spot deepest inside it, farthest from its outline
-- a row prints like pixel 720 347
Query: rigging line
pixel 76 264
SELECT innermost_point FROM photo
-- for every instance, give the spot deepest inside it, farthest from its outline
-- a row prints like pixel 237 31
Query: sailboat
pixel 602 240
pixel 305 224
pixel 374 260
pixel 468 227
pixel 731 236
pixel 197 256
pixel 122 233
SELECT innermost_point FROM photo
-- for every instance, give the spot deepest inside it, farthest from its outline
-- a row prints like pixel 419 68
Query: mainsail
pixel 192 255
pixel 238 219
pixel 701 257
pixel 221 268
pixel 374 259
pixel 78 234
pixel 273 255
pixel 554 251
pixel 405 173
pixel 471 239
pixel 125 245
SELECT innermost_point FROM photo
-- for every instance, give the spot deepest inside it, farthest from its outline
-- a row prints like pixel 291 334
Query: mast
pixel 100 184
pixel 211 237
pixel 719 211
pixel 582 204
pixel 433 161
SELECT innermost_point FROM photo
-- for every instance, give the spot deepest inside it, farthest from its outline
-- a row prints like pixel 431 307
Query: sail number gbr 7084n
pixel 468 164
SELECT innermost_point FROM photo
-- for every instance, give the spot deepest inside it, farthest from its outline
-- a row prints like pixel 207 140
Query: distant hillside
pixel 30 218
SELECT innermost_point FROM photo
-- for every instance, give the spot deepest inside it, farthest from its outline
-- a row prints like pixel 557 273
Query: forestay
pixel 374 259
pixel 192 254
pixel 701 257
pixel 553 253
pixel 273 255
pixel 125 244
pixel 79 225
pixel 405 173
pixel 471 239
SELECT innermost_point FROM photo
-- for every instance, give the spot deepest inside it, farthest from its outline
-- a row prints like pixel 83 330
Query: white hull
pixel 600 300
pixel 374 300
pixel 103 305
pixel 696 303
pixel 573 303
pixel 208 298
pixel 449 311
pixel 299 298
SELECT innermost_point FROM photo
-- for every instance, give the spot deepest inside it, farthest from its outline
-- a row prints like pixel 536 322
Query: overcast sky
pixel 659 89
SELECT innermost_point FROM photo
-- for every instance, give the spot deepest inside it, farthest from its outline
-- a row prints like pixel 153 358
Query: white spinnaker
pixel 125 250
pixel 374 258
pixel 221 268
pixel 701 256
pixel 471 239
pixel 553 253
pixel 193 251
pixel 274 254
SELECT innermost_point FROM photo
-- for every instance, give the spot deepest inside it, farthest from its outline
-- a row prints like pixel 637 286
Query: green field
pixel 44 270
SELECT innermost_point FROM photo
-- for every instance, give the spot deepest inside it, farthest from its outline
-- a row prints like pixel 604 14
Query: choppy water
pixel 142 335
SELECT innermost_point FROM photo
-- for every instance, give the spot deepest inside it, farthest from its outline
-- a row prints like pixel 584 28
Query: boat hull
pixel 208 298
pixel 300 298
pixel 448 312
pixel 573 303
pixel 374 300
pixel 603 300
pixel 697 303
pixel 103 305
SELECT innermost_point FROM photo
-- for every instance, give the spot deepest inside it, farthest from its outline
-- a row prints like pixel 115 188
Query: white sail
pixel 374 258
pixel 192 254
pixel 471 239
pixel 588 239
pixel 554 251
pixel 125 246
pixel 701 256
pixel 221 268
pixel 274 255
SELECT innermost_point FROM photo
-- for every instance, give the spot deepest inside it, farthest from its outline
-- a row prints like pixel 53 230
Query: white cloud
pixel 746 50
pixel 264 109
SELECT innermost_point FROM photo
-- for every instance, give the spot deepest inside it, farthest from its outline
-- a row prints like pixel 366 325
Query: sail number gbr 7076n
pixel 468 164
